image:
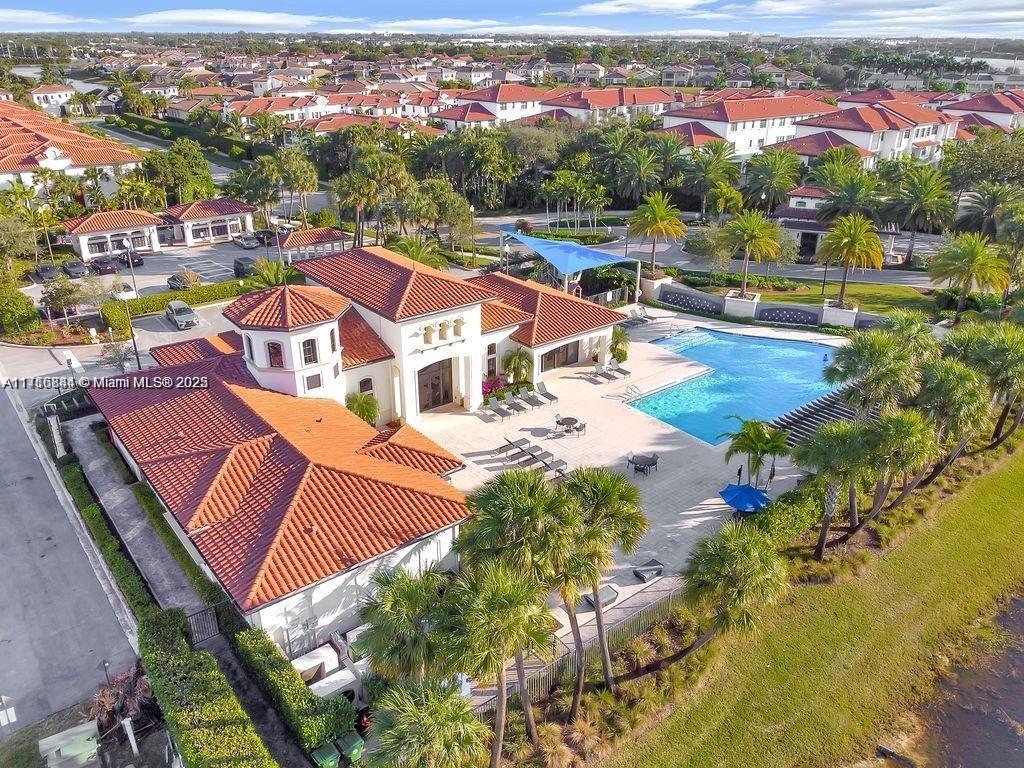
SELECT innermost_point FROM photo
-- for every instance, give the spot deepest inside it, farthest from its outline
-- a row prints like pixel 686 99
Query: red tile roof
pixel 179 352
pixel 391 285
pixel 817 143
pixel 278 492
pixel 360 345
pixel 876 95
pixel 738 110
pixel 285 307
pixel 1007 102
pixel 465 113
pixel 693 134
pixel 556 315
pixel 809 191
pixel 207 209
pixel 495 315
pixel 973 118
pixel 302 238
pixel 105 221
pixel 504 93
pixel 607 98
pixel 863 119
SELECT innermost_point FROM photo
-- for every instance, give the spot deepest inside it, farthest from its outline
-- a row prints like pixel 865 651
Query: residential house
pixel 51 97
pixel 777 74
pixel 505 102
pixel 676 75
pixel 1005 109
pixel 596 105
pixel 799 218
pixel 812 146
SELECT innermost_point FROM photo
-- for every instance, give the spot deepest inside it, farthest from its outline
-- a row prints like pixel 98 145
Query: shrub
pixel 946 300
pixel 202 711
pixel 133 126
pixel 178 130
pixel 109 119
pixel 791 515
pixel 638 652
pixel 235 153
pixel 706 279
pixel 148 128
pixel 78 486
pixel 165 133
pixel 129 580
pixel 324 217
pixel 114 315
pixel 661 639
pixel 313 720
pixel 583 238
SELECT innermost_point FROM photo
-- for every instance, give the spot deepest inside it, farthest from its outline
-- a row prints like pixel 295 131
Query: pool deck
pixel 680 498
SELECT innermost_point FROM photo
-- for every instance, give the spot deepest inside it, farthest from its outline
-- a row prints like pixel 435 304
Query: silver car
pixel 181 315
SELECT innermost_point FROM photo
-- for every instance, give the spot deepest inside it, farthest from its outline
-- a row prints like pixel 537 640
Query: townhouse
pixel 1005 109
pixel 597 105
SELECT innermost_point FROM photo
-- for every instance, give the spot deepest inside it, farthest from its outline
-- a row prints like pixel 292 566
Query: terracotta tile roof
pixel 817 143
pixel 692 134
pixel 606 98
pixel 191 350
pixel 556 315
pixel 465 113
pixel 502 93
pixel 301 238
pixel 738 110
pixel 360 345
pixel 391 285
pixel 52 89
pixel 286 307
pixel 278 492
pixel 915 114
pixel 1007 102
pixel 973 118
pixel 863 119
pixel 809 191
pixel 495 315
pixel 205 209
pixel 559 115
pixel 104 221
pixel 876 95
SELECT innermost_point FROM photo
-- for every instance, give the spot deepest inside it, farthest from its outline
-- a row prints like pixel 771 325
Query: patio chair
pixel 601 372
pixel 629 459
pixel 511 447
pixel 614 366
pixel 497 410
pixel 641 319
pixel 542 390
pixel 642 312
pixel 528 397
pixel 580 429
pixel 654 466
pixel 511 403
pixel 631 321
pixel 557 466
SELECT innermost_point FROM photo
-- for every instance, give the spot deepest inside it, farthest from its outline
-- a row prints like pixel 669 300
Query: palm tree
pixel 611 504
pixel 657 219
pixel 364 405
pixel 770 176
pixel 641 174
pixel 735 572
pixel 757 440
pixel 921 202
pixel 853 193
pixel 852 242
pixel 518 365
pixel 877 369
pixel 500 613
pixel 424 252
pixel 354 191
pixel 970 260
pixel 709 165
pixel 186 85
pixel 988 204
pixel 268 273
pixel 913 327
pixel 400 638
pixel 756 236
pixel 426 723
pixel 836 452
pixel 725 199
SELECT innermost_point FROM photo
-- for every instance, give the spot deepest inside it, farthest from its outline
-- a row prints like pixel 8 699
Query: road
pixel 57 625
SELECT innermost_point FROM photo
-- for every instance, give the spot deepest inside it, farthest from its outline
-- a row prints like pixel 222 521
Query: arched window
pixel 309 355
pixel 443 331
pixel 428 334
pixel 275 354
pixel 459 323
pixel 248 348
pixel 366 386
pixel 334 340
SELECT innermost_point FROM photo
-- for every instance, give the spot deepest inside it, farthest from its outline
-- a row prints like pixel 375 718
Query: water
pixel 26 70
pixel 754 378
pixel 977 720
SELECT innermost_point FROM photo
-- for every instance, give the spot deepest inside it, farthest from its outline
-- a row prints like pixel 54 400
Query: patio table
pixel 567 422
pixel 643 463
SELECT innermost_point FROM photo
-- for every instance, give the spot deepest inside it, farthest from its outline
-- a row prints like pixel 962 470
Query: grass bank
pixel 870 297
pixel 836 663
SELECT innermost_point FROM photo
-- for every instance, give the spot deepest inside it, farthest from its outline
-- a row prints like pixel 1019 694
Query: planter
pixel 651 288
pixel 741 307
pixel 834 315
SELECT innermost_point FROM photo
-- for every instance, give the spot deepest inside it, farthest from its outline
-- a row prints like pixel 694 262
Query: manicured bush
pixel 129 580
pixel 221 143
pixel 791 515
pixel 313 720
pixel 114 315
pixel 235 153
pixel 732 279
pixel 202 712
pixel 78 486
pixel 109 119
pixel 165 133
pixel 583 238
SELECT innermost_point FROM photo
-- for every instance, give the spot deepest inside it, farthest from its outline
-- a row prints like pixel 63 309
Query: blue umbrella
pixel 744 498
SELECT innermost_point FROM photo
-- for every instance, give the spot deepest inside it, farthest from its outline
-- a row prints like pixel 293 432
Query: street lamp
pixel 126 243
pixel 472 231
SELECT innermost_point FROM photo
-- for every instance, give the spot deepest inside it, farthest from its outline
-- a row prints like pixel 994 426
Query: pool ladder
pixel 632 392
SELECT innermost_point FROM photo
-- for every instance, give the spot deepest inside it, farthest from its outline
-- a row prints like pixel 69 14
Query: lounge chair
pixel 514 447
pixel 511 403
pixel 557 466
pixel 528 397
pixel 641 311
pixel 614 367
pixel 599 370
pixel 542 390
pixel 497 410
pixel 631 321
pixel 635 314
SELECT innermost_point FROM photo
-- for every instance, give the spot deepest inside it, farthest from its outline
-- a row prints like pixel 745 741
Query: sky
pixel 578 18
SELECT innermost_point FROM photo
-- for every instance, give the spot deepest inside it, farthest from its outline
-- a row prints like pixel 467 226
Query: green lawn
pixel 835 664
pixel 870 297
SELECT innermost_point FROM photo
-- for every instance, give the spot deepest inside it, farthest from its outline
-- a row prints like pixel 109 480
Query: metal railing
pixel 614 296
pixel 540 680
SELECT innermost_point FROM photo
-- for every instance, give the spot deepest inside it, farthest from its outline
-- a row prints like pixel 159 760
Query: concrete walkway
pixel 171 587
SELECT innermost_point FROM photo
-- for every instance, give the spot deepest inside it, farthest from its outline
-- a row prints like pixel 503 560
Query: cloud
pixel 453 26
pixel 16 19
pixel 615 7
pixel 231 19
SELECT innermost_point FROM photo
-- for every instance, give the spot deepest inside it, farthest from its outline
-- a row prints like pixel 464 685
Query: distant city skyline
pixel 579 18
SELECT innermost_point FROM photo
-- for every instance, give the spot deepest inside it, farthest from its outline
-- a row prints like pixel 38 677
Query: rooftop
pixel 286 307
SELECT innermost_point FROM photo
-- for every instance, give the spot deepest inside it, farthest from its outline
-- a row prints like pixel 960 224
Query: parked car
pixel 181 315
pixel 123 292
pixel 246 242
pixel 74 268
pixel 177 282
pixel 137 260
pixel 47 272
pixel 265 236
pixel 244 266
pixel 104 265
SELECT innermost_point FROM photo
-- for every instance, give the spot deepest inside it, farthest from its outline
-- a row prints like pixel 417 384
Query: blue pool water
pixel 753 378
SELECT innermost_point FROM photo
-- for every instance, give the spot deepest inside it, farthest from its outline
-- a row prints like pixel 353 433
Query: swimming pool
pixel 752 377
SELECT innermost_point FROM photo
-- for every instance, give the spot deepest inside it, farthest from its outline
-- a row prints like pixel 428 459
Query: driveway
pixel 57 625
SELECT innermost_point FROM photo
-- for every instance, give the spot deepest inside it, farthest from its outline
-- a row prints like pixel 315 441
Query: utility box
pixel 77 747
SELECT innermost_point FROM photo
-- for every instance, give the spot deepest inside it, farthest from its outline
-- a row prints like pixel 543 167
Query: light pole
pixel 472 231
pixel 128 253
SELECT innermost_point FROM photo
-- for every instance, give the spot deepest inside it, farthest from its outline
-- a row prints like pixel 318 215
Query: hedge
pixel 114 312
pixel 78 486
pixel 200 707
pixel 129 580
pixel 182 130
pixel 313 720
pixel 704 279
pixel 583 238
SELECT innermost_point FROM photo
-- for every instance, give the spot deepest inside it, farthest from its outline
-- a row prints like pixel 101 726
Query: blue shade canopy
pixel 745 498
pixel 565 256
